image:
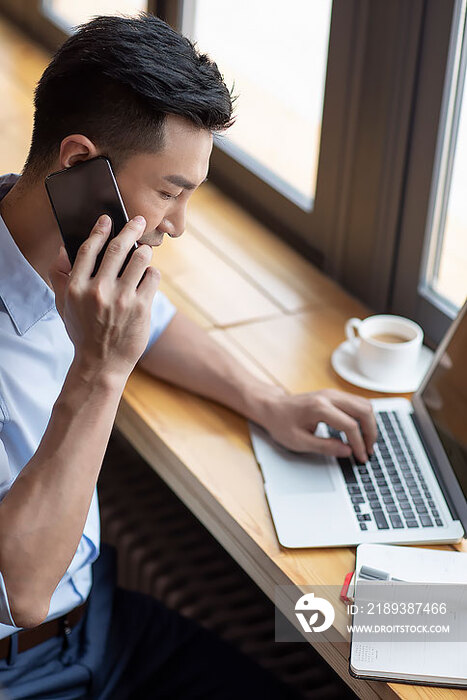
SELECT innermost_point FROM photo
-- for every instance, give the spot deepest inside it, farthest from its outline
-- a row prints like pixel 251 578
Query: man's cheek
pixel 153 218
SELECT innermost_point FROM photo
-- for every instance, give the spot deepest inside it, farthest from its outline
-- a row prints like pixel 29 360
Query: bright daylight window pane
pixel 445 273
pixel 68 14
pixel 275 55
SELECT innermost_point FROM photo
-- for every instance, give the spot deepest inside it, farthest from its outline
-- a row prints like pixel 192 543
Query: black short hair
pixel 115 80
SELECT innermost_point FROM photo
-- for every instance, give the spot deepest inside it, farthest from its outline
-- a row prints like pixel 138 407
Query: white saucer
pixel 344 363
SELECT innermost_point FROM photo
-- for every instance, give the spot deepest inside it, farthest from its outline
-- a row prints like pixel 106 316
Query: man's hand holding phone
pixel 107 317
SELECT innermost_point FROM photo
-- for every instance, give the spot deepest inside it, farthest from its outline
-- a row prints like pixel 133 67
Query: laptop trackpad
pixel 291 472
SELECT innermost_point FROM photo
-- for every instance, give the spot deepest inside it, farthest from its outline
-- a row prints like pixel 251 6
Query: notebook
pixel 429 660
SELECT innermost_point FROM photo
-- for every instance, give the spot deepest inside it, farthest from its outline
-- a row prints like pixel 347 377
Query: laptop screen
pixel 445 400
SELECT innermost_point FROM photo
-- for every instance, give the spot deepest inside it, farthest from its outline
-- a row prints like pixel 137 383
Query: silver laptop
pixel 412 490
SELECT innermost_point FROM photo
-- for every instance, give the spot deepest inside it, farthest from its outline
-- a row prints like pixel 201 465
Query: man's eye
pixel 167 195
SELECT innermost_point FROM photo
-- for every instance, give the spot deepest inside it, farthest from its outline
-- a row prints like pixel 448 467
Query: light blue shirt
pixel 35 355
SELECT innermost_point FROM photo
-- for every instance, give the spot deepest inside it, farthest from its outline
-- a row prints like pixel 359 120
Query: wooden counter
pixel 282 318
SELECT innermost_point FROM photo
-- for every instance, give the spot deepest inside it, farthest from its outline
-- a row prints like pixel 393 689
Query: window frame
pixel 363 239
pixel 303 228
pixel 409 297
pixel 371 73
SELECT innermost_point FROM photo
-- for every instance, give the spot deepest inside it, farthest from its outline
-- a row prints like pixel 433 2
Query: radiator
pixel 164 551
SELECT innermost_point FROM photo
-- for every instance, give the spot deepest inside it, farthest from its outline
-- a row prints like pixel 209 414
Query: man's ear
pixel 75 148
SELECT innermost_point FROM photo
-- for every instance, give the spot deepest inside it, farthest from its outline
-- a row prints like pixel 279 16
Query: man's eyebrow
pixel 180 181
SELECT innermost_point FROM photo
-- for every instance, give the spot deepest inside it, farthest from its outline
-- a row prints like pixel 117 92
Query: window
pixel 68 14
pixel 430 283
pixel 292 66
pixel 276 61
pixel 51 21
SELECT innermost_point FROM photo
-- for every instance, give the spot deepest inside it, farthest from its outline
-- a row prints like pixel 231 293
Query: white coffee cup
pixel 387 347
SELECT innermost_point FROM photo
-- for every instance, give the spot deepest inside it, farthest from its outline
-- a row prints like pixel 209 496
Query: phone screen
pixel 79 195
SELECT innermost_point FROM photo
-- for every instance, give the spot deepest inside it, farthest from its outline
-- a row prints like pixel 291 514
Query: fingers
pixel 148 286
pixel 307 442
pixel 362 410
pixel 119 247
pixel 293 421
pixel 336 418
pixel 90 249
pixel 139 262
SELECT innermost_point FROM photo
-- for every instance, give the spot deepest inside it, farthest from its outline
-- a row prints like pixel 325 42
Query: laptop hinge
pixel 429 453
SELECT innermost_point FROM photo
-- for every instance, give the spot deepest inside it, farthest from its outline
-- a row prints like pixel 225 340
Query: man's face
pixel 159 185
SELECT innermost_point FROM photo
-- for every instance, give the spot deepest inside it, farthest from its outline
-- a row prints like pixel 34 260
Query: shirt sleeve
pixel 162 313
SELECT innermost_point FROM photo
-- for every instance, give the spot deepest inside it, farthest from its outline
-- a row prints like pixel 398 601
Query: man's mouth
pixel 151 241
pixel 159 242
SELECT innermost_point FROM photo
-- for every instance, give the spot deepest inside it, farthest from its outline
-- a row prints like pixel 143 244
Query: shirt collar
pixel 26 296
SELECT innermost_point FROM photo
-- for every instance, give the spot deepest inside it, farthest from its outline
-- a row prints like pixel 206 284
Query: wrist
pixel 261 402
pixel 95 375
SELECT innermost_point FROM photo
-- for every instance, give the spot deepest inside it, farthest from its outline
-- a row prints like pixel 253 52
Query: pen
pixel 366 573
pixel 369 574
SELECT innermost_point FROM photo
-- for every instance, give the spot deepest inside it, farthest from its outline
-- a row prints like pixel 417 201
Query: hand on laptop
pixel 292 421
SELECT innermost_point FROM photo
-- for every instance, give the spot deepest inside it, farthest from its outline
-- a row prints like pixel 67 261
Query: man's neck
pixel 27 213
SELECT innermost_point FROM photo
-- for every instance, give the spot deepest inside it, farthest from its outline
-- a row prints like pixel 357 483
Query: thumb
pixel 59 276
pixel 325 446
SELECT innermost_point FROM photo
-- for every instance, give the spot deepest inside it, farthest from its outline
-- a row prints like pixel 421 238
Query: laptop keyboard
pixel 389 491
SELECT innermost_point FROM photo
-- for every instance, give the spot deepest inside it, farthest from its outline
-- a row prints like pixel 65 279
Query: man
pixel 140 94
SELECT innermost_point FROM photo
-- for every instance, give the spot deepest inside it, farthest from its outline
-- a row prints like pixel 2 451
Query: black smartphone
pixel 79 195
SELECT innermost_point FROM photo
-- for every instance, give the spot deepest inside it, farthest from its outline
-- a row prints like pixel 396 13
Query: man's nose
pixel 175 223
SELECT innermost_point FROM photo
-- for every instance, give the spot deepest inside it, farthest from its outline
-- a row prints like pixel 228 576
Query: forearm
pixel 185 355
pixel 43 515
